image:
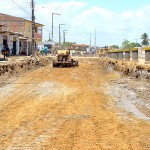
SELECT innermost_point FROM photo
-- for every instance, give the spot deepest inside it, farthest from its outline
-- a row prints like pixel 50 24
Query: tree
pixel 125 44
pixel 133 44
pixel 115 46
pixel 129 45
pixel 145 40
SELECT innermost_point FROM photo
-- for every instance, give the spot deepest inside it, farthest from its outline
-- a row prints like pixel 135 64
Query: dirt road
pixel 68 109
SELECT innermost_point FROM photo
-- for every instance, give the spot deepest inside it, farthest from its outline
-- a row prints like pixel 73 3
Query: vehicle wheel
pixel 54 65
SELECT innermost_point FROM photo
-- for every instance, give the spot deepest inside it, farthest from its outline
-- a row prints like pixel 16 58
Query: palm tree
pixel 145 40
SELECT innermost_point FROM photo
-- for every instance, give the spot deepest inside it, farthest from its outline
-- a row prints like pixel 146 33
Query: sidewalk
pixel 11 59
pixel 19 64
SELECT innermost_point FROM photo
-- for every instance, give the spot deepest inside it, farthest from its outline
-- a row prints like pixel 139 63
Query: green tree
pixel 145 40
pixel 133 44
pixel 115 46
pixel 125 44
pixel 129 45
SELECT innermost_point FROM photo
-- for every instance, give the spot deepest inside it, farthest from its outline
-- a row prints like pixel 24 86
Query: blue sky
pixel 119 5
pixel 114 5
pixel 114 20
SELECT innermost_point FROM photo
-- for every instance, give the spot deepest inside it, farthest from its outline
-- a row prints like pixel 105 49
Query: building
pixel 18 34
pixel 79 49
pixel 102 51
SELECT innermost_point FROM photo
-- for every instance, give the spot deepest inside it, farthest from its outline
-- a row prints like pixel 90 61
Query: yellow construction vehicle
pixel 64 59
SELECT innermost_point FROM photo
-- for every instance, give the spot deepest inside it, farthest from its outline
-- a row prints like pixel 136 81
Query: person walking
pixel 4 51
pixel 7 51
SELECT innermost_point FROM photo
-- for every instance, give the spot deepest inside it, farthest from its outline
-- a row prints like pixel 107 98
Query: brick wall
pixel 13 24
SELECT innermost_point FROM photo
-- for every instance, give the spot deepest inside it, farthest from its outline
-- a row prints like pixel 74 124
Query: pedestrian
pixel 45 50
pixel 7 50
pixel 26 52
pixel 4 51
pixel 42 52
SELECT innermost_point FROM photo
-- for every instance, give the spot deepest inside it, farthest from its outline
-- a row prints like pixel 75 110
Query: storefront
pixel 23 46
pixel 12 40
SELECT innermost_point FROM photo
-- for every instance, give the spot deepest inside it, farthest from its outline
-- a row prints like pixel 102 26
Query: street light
pixel 60 34
pixel 64 33
pixel 52 22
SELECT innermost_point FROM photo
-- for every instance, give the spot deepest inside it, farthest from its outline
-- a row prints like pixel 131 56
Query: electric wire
pixel 48 6
pixel 44 28
pixel 28 13
pixel 52 3
pixel 20 7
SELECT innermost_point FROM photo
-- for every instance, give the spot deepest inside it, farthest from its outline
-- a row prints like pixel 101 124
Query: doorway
pixel 14 48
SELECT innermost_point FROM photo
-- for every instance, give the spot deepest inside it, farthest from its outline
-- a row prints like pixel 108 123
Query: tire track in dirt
pixel 13 106
pixel 76 117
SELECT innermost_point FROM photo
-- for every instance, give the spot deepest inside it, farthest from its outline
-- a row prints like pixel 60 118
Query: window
pixel 40 30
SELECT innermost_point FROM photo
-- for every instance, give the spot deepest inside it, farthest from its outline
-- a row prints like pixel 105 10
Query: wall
pixel 13 24
pixel 28 30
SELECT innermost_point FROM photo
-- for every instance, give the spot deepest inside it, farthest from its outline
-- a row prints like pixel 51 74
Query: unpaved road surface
pixel 83 108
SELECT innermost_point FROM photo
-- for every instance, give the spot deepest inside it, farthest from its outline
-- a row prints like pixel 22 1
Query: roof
pixel 37 24
pixel 12 16
pixel 147 48
pixel 23 19
pixel 80 45
pixel 135 49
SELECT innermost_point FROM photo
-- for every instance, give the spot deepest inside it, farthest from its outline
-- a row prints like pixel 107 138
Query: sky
pixel 114 20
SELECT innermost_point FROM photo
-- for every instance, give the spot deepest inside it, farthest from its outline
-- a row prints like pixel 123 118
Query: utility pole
pixel 90 41
pixel 33 28
pixel 60 35
pixel 64 33
pixel 52 26
pixel 49 36
pixel 52 22
pixel 136 42
pixel 95 40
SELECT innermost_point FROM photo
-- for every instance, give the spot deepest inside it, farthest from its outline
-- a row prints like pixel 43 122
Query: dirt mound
pixel 14 67
pixel 127 68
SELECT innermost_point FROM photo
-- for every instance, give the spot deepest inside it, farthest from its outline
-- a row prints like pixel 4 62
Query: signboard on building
pixel 38 37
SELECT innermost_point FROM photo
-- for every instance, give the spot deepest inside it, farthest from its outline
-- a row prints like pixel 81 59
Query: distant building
pixel 102 51
pixel 17 33
pixel 79 49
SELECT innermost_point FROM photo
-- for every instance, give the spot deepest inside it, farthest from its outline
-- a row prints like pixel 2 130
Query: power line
pixel 45 1
pixel 52 3
pixel 44 28
pixel 20 7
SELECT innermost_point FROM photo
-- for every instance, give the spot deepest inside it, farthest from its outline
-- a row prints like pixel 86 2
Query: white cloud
pixel 81 19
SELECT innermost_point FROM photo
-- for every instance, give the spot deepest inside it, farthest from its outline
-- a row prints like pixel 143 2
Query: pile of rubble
pixel 133 69
pixel 14 67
